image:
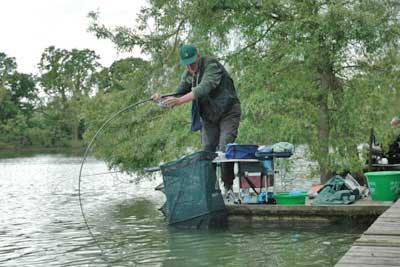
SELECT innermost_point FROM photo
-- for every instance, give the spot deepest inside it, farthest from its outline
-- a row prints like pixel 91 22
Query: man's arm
pixel 184 88
pixel 175 101
pixel 211 79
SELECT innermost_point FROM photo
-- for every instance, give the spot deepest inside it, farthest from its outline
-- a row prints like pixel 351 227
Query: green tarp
pixel 336 191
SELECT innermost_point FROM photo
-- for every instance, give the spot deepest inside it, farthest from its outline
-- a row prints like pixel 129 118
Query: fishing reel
pixel 161 103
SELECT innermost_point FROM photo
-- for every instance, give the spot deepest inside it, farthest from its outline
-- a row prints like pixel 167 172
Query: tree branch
pixel 254 43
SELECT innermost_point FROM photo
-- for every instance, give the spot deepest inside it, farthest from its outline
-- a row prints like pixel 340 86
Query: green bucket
pixel 290 199
pixel 384 185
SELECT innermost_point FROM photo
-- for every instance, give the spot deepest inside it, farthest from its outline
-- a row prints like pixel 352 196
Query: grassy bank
pixel 10 151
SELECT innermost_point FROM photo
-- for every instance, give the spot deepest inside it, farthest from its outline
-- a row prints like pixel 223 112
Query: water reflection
pixel 41 224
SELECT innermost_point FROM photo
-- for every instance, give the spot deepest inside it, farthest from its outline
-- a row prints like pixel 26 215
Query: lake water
pixel 41 224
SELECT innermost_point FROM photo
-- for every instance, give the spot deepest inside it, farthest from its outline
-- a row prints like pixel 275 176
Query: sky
pixel 27 27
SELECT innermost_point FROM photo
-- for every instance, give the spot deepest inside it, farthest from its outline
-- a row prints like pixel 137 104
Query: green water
pixel 41 224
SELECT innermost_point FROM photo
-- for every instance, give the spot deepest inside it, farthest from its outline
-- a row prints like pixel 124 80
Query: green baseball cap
pixel 188 54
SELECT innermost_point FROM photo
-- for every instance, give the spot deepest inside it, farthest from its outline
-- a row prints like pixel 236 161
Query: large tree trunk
pixel 323 138
pixel 327 85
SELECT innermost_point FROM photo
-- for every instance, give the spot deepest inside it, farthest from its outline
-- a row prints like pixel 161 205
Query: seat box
pixel 254 177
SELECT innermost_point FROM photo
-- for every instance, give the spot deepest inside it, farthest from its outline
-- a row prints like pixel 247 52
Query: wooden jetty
pixel 364 212
pixel 380 243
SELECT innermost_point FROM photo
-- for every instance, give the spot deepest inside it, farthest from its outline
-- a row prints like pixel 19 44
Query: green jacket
pixel 212 87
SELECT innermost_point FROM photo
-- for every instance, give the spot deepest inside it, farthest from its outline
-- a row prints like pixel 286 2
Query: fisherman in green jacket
pixel 215 105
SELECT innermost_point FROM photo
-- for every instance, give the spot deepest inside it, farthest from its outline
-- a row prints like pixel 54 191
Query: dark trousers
pixel 216 135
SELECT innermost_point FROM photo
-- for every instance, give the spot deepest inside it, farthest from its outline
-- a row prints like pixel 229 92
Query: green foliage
pixel 14 130
pixel 18 97
pixel 124 74
pixel 8 109
pixel 18 93
pixel 69 79
pixel 68 74
pixel 318 72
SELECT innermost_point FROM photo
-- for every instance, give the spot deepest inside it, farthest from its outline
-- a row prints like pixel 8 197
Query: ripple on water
pixel 41 224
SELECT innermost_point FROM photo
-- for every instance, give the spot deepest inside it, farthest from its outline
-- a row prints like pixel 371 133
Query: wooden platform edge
pixel 379 245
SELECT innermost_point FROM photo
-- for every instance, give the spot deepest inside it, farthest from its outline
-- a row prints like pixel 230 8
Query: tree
pixel 8 67
pixel 68 78
pixel 23 92
pixel 309 72
pixel 123 74
pixel 18 97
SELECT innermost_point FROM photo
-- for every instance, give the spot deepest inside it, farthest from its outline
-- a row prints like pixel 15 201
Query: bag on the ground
pixel 338 190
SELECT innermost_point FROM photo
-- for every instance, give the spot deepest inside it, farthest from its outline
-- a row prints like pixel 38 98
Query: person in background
pixel 215 104
pixel 393 153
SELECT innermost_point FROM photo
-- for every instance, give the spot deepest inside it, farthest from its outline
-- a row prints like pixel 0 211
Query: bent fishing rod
pixel 88 148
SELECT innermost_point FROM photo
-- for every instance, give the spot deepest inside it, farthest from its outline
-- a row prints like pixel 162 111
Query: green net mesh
pixel 192 191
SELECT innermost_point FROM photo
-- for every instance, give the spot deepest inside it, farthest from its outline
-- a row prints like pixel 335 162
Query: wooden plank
pixel 374 251
pixel 390 214
pixel 394 208
pixel 379 256
pixel 387 222
pixel 367 261
pixel 389 218
pixel 384 227
pixel 378 240
pixel 394 217
pixel 379 245
pixel 397 203
pixel 341 264
pixel 383 230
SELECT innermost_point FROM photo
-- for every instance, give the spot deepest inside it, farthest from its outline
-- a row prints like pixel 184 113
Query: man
pixel 215 105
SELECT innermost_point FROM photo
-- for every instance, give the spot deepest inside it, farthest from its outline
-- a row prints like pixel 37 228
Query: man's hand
pixel 156 97
pixel 172 101
pixel 395 122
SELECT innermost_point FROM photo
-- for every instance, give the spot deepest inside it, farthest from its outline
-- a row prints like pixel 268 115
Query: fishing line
pixel 107 122
pixel 100 173
pixel 92 141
